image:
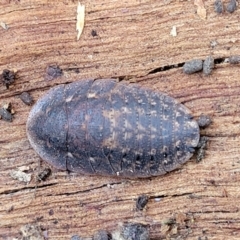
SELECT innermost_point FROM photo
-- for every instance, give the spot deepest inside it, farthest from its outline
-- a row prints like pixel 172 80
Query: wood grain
pixel 133 43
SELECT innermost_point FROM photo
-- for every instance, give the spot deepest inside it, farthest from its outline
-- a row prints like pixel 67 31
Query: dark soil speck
pixel 193 66
pixel 51 212
pixel 135 231
pixel 232 6
pixel 204 121
pixel 42 176
pixel 94 33
pixel 141 202
pixel 201 148
pixel 102 235
pixel 218 6
pixel 6 113
pixel 76 237
pixel 10 209
pixel 234 59
pixel 26 98
pixel 7 77
pixel 208 65
pixel 53 72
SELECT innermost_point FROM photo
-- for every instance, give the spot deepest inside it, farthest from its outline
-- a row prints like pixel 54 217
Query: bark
pixel 129 40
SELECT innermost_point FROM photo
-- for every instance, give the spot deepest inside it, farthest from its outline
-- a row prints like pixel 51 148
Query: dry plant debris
pixel 201 10
pixel 4 25
pixel 32 232
pixel 174 31
pixel 80 19
pixel 21 176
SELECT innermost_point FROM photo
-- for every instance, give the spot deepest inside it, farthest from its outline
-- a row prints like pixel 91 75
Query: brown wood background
pixel 133 39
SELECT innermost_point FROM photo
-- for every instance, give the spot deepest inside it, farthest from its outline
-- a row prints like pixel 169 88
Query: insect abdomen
pixel 120 129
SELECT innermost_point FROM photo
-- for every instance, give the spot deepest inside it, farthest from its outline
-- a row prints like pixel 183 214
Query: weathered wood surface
pixel 133 39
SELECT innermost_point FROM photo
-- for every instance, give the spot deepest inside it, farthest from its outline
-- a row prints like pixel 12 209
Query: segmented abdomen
pixel 120 129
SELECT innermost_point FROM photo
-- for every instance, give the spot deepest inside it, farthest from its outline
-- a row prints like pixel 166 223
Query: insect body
pixel 107 128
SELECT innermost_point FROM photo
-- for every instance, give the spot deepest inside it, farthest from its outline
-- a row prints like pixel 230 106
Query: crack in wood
pixel 218 211
pixel 87 190
pixel 26 188
pixel 179 65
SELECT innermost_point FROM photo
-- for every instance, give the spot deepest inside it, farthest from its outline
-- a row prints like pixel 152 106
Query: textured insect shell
pixel 107 128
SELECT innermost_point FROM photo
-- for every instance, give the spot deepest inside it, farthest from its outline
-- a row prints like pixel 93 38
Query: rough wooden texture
pixel 133 42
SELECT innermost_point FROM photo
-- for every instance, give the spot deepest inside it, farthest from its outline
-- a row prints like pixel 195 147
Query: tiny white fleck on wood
pixel 80 19
pixel 4 25
pixel 174 31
